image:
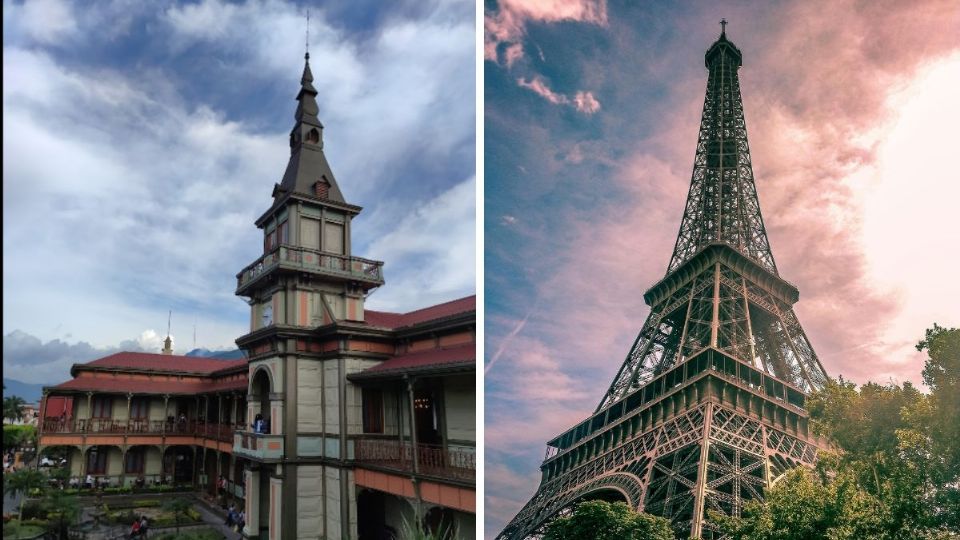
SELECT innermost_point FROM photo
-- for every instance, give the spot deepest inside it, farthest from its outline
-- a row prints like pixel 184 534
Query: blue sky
pixel 142 139
pixel 591 117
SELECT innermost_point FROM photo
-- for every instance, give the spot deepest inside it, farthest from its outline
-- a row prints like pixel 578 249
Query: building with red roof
pixel 340 422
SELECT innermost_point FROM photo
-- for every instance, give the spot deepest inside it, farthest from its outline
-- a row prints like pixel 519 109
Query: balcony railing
pixel 222 432
pixel 433 460
pixel 258 445
pixel 299 258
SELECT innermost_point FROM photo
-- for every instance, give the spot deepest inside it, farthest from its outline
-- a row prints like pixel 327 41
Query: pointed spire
pixel 307 166
pixel 306 80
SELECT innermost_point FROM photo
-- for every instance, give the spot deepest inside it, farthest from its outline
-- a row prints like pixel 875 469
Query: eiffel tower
pixel 708 407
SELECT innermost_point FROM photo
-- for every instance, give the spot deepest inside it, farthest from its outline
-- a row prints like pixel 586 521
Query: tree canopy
pixel 896 472
pixel 601 520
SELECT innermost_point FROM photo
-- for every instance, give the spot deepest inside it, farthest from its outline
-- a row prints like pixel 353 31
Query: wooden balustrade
pixel 433 460
pixel 221 432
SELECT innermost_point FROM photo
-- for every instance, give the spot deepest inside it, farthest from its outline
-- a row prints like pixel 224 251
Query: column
pixel 252 502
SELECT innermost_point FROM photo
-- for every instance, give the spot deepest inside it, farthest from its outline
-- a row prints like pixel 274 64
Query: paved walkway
pixel 215 519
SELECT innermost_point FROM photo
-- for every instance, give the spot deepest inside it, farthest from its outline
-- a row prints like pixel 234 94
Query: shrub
pixel 34 510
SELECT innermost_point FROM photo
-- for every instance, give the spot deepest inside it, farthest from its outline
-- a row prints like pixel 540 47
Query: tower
pixel 708 408
pixel 306 295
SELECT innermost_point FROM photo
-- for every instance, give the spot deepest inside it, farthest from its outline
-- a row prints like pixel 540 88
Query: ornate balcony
pixel 222 432
pixel 449 463
pixel 364 271
pixel 258 446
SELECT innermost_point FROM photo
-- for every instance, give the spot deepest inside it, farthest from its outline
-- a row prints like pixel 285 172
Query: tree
pixel 936 430
pixel 601 520
pixel 13 407
pixel 179 508
pixel 803 506
pixel 62 511
pixel 23 481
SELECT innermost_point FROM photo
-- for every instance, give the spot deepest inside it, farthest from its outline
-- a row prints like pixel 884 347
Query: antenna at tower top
pixel 169 316
pixel 723 27
pixel 307 41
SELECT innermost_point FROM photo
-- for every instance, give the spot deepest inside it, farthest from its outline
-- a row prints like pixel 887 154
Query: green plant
pixel 180 508
pixel 63 510
pixel 22 482
pixel 414 532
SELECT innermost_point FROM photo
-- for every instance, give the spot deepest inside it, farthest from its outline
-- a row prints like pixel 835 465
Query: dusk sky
pixel 591 120
pixel 142 139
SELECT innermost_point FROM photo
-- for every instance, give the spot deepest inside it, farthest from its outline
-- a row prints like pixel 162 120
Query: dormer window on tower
pixel 322 188
pixel 313 136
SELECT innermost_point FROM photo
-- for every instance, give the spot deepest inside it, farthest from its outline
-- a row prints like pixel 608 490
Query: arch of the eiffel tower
pixel 708 408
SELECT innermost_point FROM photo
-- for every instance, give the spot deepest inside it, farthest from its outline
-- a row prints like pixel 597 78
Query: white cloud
pixel 49 22
pixel 431 253
pixel 126 194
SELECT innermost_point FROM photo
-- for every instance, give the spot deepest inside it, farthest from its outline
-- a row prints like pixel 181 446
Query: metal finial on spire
pixel 307 42
pixel 723 27
pixel 169 316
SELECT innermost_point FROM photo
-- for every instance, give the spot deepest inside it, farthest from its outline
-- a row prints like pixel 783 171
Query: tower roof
pixel 308 165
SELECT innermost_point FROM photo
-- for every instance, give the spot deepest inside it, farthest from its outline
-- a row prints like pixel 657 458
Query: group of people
pixel 139 528
pixel 235 519
pixel 180 423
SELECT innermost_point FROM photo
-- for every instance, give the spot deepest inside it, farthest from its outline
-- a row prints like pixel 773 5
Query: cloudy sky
pixel 142 139
pixel 592 112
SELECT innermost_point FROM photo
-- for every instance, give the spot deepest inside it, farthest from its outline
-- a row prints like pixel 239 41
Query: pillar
pixel 252 502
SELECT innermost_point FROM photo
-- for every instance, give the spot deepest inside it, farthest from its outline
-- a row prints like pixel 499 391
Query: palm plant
pixel 13 407
pixel 22 482
pixel 411 531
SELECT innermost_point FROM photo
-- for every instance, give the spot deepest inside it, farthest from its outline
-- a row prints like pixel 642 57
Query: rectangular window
pixel 269 241
pixel 333 237
pixel 97 460
pixel 101 407
pixel 372 410
pixel 284 230
pixel 134 463
pixel 138 408
pixel 309 233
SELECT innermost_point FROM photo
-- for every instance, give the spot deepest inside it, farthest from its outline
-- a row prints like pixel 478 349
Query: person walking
pixel 135 529
pixel 230 515
pixel 143 527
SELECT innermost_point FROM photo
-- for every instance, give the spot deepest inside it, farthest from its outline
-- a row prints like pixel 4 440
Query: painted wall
pixel 331 394
pixel 459 397
pixel 309 501
pixel 309 395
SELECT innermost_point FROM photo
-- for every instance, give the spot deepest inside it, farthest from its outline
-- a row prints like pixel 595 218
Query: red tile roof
pixel 434 358
pixel 164 362
pixel 122 385
pixel 439 311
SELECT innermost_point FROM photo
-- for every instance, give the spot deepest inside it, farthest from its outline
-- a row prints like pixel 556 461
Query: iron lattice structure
pixel 707 410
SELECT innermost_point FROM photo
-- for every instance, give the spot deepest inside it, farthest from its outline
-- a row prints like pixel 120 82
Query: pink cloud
pixel 539 86
pixel 582 101
pixel 586 103
pixel 508 24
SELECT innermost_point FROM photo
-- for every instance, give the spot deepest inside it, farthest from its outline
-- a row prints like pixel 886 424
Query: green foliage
pixel 13 407
pixel 413 532
pixel 63 510
pixel 601 520
pixel 205 533
pixel 180 508
pixel 22 481
pixel 801 506
pixel 15 436
pixel 896 474
pixel 15 530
